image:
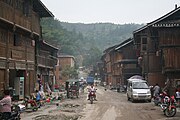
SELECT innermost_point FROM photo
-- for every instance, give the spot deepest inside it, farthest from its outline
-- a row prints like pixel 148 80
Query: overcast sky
pixel 113 11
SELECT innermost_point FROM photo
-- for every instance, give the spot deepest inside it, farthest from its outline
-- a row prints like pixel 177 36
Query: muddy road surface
pixel 111 105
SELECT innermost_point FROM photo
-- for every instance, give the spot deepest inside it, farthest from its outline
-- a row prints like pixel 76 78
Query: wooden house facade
pixel 107 60
pixel 120 63
pixel 158 50
pixel 127 63
pixel 116 75
pixel 19 32
pixel 46 61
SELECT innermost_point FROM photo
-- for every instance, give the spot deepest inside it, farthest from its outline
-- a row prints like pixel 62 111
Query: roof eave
pixel 42 9
pixel 157 20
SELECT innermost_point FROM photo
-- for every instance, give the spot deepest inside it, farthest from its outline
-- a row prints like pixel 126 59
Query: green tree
pixel 69 72
pixel 85 40
pixel 92 57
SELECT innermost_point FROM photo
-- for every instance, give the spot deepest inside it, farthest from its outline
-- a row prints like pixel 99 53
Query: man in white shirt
pixel 91 89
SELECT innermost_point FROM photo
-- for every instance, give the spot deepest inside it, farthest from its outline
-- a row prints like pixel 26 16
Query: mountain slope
pixel 85 41
pixel 103 34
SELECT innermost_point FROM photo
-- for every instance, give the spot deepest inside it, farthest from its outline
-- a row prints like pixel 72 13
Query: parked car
pixel 138 89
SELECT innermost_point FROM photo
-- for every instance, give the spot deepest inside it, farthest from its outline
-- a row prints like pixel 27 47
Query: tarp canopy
pixel 137 77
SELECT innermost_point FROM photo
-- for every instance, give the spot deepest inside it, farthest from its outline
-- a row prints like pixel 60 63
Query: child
pixel 38 96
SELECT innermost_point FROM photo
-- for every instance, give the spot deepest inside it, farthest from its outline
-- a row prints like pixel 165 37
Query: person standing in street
pixel 177 95
pixel 156 90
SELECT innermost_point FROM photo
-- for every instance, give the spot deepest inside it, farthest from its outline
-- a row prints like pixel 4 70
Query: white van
pixel 138 89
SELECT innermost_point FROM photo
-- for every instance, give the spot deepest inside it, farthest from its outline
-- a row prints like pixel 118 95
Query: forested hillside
pixel 85 41
pixel 102 34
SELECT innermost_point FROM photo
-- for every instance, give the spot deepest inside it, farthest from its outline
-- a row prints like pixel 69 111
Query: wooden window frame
pixel 144 42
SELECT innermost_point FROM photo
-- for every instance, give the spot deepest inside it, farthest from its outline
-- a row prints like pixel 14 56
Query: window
pixel 140 85
pixel 144 48
pixel 144 40
pixel 143 43
pixel 17 41
pixel 3 36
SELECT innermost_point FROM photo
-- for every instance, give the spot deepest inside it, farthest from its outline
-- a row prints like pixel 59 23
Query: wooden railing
pixel 22 20
pixel 46 62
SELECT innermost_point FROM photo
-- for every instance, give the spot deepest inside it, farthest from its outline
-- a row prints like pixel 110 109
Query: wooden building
pixel 46 62
pixel 19 33
pixel 120 63
pixel 63 62
pixel 158 50
pixel 127 64
pixel 107 60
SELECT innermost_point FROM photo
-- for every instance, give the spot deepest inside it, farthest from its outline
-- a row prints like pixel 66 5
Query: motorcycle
pixel 92 96
pixel 169 106
pixel 31 104
pixel 73 93
pixel 158 100
pixel 14 115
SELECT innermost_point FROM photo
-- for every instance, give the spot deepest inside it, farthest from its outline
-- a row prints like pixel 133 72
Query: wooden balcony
pixel 43 61
pixel 12 16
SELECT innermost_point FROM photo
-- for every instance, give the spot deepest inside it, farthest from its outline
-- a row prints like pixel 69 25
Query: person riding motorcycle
pixel 5 104
pixel 92 89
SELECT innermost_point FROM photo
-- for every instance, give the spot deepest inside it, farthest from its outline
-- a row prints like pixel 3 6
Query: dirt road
pixel 110 106
pixel 114 106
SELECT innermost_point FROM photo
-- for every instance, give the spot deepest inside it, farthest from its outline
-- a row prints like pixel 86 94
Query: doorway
pixel 16 81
